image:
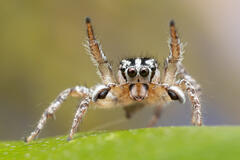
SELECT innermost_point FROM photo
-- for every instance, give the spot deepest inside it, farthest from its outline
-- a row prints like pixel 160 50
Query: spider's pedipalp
pixel 78 91
pixel 98 57
pixel 176 94
pixel 100 92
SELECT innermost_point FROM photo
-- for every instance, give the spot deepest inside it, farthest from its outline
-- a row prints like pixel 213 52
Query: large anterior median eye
pixel 144 72
pixel 132 72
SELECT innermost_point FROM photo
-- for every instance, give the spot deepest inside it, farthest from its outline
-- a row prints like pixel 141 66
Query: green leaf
pixel 184 143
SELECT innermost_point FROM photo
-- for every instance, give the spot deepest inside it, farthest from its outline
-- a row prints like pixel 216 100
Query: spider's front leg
pixel 100 60
pixel 173 68
pixel 78 91
pixel 193 96
pixel 99 92
pixel 173 62
pixel 177 91
pixel 82 109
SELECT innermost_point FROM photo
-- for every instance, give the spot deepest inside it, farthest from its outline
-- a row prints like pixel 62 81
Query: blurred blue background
pixel 42 53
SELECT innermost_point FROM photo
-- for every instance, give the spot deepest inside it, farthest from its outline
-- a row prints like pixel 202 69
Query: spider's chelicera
pixel 138 81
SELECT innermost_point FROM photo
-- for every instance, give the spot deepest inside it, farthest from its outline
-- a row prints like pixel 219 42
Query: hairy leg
pixel 194 98
pixel 100 60
pixel 172 63
pixel 82 109
pixel 174 70
pixel 100 93
pixel 77 91
pixel 183 74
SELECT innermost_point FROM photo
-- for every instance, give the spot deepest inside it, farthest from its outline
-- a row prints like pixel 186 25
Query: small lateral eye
pixel 132 72
pixel 144 72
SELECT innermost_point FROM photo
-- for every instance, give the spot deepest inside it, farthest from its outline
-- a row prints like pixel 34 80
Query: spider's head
pixel 138 72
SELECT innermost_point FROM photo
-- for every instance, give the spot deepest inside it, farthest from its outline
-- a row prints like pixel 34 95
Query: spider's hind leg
pixel 132 109
pixel 156 116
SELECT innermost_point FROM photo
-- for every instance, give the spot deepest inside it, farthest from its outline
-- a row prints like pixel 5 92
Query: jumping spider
pixel 138 81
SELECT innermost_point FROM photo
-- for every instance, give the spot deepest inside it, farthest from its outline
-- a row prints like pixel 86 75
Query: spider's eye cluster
pixel 144 72
pixel 132 72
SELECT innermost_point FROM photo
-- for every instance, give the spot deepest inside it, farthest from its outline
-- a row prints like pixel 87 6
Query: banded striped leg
pixel 82 109
pixel 77 91
pixel 100 60
pixel 193 97
pixel 172 63
pixel 184 75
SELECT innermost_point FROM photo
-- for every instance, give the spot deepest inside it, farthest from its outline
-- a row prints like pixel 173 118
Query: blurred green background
pixel 42 53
